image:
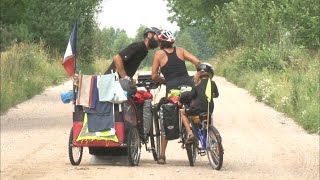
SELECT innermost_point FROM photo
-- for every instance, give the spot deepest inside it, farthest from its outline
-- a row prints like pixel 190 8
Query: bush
pixel 25 72
pixel 258 59
pixel 294 90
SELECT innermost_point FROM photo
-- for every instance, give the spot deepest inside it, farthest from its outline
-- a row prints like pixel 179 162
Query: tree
pixel 104 40
pixel 185 40
pixel 197 38
pixel 121 41
pixel 49 21
pixel 193 12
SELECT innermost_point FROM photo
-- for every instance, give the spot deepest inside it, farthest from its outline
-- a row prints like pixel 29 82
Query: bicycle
pixel 207 140
pixel 154 133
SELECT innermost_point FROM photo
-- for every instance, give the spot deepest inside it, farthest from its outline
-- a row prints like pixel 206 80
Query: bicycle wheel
pixel 214 148
pixel 134 146
pixel 155 136
pixel 75 153
pixel 192 148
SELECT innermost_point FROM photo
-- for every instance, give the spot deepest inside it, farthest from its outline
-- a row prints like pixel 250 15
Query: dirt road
pixel 259 143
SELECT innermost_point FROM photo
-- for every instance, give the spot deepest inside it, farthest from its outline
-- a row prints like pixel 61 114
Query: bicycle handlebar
pixel 147 82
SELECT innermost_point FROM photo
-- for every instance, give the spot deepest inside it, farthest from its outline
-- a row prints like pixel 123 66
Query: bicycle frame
pixel 202 134
pixel 199 129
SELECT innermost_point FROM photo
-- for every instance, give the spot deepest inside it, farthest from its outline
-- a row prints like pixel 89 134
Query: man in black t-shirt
pixel 127 61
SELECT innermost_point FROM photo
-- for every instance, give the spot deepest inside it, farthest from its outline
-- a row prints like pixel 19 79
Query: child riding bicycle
pixel 196 100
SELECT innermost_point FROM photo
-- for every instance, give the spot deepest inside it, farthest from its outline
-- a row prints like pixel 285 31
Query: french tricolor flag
pixel 69 58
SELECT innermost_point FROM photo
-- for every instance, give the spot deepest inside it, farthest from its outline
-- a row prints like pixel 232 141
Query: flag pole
pixel 76 24
pixel 209 97
pixel 208 117
pixel 74 87
pixel 75 47
pixel 75 63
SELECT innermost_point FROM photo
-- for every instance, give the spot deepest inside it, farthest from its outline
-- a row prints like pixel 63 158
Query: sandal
pixel 190 138
pixel 162 160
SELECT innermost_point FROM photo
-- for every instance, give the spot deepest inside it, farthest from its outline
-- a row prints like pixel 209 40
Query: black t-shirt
pixel 199 100
pixel 132 57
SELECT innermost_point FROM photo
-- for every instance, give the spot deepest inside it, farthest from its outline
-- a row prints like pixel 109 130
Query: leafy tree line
pixel 51 22
pixel 270 48
pixel 110 41
pixel 234 23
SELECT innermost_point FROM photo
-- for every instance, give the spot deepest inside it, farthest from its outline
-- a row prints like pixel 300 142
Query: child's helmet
pixel 166 36
pixel 205 68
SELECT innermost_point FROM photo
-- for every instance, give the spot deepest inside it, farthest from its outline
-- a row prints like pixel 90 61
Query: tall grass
pixel 26 70
pixel 293 89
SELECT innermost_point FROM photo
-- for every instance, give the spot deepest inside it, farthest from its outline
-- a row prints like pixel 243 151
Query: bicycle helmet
pixel 206 68
pixel 166 36
pixel 151 29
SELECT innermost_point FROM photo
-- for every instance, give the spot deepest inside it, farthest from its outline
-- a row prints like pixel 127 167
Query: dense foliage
pixel 251 23
pixel 50 22
pixel 271 48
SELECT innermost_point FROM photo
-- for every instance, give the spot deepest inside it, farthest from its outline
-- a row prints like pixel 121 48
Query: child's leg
pixel 186 122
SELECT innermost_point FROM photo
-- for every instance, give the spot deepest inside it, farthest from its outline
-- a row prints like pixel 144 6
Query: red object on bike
pixel 142 95
pixel 175 99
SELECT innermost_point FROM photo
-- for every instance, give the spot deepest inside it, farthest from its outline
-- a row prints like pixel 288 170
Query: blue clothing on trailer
pixel 101 118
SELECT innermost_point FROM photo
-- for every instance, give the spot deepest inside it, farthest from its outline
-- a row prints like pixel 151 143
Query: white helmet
pixel 166 36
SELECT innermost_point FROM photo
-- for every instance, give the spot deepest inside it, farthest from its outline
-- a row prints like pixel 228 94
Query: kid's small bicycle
pixel 207 139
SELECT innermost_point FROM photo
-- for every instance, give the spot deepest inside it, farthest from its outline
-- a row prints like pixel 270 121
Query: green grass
pixel 25 71
pixel 294 90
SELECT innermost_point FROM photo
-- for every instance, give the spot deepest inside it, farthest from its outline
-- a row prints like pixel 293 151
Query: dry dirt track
pixel 259 143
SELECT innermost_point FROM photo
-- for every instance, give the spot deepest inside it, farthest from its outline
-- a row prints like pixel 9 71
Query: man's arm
pixel 119 66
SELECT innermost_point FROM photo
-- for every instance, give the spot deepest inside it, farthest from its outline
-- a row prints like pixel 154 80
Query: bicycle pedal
pixel 202 153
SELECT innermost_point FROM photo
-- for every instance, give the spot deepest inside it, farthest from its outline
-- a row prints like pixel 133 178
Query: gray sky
pixel 129 14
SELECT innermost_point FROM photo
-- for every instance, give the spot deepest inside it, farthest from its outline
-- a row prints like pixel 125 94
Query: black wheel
pixel 155 136
pixel 134 146
pixel 75 153
pixel 192 148
pixel 214 148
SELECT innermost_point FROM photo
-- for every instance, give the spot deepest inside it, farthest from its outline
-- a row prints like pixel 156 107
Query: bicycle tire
pixel 191 148
pixel 215 149
pixel 155 133
pixel 133 146
pixel 75 158
pixel 151 137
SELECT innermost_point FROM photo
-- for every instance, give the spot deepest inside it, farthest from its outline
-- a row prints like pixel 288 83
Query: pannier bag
pixel 147 115
pixel 144 117
pixel 170 120
pixel 140 118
